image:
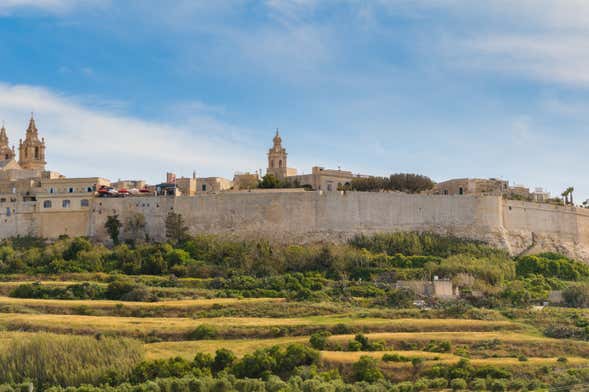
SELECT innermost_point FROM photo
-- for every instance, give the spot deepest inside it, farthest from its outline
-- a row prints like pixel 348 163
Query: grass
pixel 343 357
pixel 240 347
pixel 233 327
pixel 102 304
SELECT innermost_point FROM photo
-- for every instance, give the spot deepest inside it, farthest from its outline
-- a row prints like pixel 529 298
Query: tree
pixel 136 225
pixel 113 227
pixel 270 181
pixel 366 369
pixel 568 195
pixel 410 183
pixel 176 230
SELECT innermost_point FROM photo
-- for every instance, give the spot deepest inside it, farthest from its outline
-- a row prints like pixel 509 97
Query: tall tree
pixel 136 226
pixel 176 230
pixel 113 227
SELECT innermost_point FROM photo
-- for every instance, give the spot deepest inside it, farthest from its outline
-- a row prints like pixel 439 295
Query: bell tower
pixel 277 158
pixel 6 153
pixel 31 151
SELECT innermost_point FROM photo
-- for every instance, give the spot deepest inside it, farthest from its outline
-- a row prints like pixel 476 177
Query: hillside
pixel 213 314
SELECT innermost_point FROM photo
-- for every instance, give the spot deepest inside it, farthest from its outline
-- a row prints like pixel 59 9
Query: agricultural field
pixel 336 327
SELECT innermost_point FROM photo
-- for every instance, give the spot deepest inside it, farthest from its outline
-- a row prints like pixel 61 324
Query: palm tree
pixel 571 190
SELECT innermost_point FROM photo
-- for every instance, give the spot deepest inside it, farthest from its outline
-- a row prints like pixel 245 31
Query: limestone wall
pixel 312 216
pixel 328 216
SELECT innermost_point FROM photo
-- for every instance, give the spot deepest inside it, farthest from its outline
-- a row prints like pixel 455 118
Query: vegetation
pixel 113 227
pixel 207 313
pixel 47 359
pixel 401 182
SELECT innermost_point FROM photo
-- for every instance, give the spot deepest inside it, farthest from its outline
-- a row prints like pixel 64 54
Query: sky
pixel 446 88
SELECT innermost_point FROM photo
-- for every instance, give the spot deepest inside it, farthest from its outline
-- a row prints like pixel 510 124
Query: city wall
pixel 332 216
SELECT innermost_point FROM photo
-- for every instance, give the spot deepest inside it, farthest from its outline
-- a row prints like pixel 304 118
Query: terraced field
pixel 498 342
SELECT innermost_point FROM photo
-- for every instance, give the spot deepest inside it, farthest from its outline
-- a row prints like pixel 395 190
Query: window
pixel 52 190
pixel 280 163
pixel 445 191
pixel 47 204
pixel 204 187
pixel 8 211
pixel 461 191
pixel 70 190
pixel 84 203
pixel 89 189
pixel 66 203
pixel 36 152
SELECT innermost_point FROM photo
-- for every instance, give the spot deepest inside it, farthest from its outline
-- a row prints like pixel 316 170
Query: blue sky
pixel 447 88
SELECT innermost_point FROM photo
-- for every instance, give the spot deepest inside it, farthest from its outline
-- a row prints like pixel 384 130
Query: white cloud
pixel 548 57
pixel 54 6
pixel 82 141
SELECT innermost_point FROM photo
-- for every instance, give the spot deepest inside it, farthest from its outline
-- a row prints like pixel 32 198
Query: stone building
pixel 277 160
pixel 319 179
pixel 213 184
pixel 471 186
pixel 244 181
pixel 31 151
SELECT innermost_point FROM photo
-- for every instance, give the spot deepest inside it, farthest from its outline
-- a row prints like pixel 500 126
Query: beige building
pixel 320 178
pixel 277 160
pixel 129 184
pixel 187 185
pixel 471 186
pixel 244 181
pixel 213 184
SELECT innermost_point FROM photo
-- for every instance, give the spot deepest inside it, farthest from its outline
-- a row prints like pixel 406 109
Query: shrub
pixel 458 384
pixel 366 369
pixel 318 340
pixel 576 296
pixel 223 359
pixel 202 332
pixel 395 358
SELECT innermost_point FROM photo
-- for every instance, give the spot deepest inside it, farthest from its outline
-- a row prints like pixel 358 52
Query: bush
pixel 395 358
pixel 318 340
pixel 203 332
pixel 223 359
pixel 576 296
pixel 458 384
pixel 366 369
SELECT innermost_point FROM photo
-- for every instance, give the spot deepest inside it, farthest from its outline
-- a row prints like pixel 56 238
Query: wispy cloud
pixel 85 141
pixel 53 6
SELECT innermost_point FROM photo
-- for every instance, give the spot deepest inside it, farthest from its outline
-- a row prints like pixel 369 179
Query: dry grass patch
pixel 102 304
pixel 187 349
pixel 236 327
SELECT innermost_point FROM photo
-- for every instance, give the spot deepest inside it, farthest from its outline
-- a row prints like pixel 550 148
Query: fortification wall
pixel 535 227
pixel 18 219
pixel 312 216
pixel 304 217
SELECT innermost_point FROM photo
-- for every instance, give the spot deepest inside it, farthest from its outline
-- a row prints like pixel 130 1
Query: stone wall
pixel 311 216
pixel 332 216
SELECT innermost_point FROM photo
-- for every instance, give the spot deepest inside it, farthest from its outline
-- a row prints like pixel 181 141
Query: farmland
pixel 292 328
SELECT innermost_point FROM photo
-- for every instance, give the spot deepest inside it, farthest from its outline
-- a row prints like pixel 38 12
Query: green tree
pixel 113 227
pixel 366 369
pixel 270 181
pixel 176 230
pixel 136 226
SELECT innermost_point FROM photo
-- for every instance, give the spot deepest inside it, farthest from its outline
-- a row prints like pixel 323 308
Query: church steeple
pixel 277 158
pixel 6 153
pixel 32 150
